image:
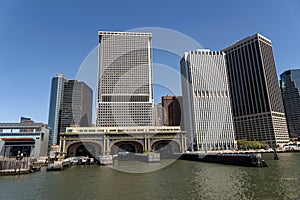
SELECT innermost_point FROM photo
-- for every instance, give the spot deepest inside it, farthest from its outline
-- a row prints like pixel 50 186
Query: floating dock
pixel 249 160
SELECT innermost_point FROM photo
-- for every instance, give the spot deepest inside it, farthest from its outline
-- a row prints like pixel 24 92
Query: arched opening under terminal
pixel 126 146
pixel 90 149
pixel 166 147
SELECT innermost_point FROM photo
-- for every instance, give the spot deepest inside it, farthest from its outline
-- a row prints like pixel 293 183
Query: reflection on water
pixel 180 180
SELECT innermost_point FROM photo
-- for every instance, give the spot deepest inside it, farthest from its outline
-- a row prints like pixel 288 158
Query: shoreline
pixel 243 151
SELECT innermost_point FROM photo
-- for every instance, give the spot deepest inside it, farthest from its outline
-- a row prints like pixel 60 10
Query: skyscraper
pixel 290 90
pixel 257 104
pixel 57 88
pixel 158 115
pixel 125 88
pixel 206 101
pixel 76 107
pixel 70 104
pixel 171 106
pixel 165 102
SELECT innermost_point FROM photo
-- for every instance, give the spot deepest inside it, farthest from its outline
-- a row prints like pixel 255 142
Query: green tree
pixel 245 144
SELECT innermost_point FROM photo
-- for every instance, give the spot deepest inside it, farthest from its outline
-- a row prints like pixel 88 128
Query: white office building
pixel 207 115
pixel 125 86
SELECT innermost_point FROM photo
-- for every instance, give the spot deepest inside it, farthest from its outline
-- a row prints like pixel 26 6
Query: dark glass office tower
pixel 76 107
pixel 290 90
pixel 257 104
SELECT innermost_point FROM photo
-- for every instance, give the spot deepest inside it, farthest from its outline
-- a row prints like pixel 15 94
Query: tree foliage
pixel 246 145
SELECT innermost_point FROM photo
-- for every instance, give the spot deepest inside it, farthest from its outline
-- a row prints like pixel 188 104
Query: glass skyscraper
pixel 125 88
pixel 70 104
pixel 57 88
pixel 76 107
pixel 290 90
pixel 207 116
pixel 257 104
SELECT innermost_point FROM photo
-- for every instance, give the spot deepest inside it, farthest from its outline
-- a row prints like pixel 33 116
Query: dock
pixel 248 159
pixel 148 158
pixel 12 166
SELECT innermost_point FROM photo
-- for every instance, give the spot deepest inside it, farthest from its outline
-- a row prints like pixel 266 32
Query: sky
pixel 39 39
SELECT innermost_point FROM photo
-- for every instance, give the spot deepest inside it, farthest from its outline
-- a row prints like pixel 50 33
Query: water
pixel 180 180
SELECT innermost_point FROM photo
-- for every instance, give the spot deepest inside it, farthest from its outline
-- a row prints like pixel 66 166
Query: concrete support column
pixel 146 143
pixel 64 146
pixel 60 145
pixel 146 147
pixel 107 146
pixel 182 143
pixel 104 145
pixel 106 149
pixel 149 144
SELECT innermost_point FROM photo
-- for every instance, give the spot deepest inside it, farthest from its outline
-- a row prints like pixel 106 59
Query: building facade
pixel 165 102
pixel 27 137
pixel 76 107
pixel 171 110
pixel 125 86
pixel 70 104
pixel 97 141
pixel 290 90
pixel 57 88
pixel 257 104
pixel 206 100
pixel 158 115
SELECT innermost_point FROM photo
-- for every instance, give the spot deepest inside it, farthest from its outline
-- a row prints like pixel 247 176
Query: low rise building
pixel 26 137
pixel 97 141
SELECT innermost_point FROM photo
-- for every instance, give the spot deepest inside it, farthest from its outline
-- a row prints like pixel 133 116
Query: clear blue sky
pixel 39 39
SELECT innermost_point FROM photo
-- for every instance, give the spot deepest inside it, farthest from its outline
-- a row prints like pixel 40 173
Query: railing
pixel 21 134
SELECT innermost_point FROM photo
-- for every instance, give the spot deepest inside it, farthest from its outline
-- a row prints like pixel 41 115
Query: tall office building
pixel 125 87
pixel 290 90
pixel 158 115
pixel 206 102
pixel 165 102
pixel 257 104
pixel 76 107
pixel 70 104
pixel 57 88
pixel 171 110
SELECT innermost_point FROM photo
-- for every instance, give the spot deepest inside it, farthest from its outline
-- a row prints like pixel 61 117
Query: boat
pixel 55 166
pixel 59 165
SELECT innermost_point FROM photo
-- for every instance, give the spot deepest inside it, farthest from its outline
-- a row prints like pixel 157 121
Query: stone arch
pixel 133 146
pixel 166 146
pixel 84 148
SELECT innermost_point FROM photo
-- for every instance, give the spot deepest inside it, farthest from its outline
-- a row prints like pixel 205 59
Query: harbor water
pixel 179 180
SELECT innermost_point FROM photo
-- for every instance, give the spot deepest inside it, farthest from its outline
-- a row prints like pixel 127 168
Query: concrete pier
pixel 148 158
pixel 106 160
